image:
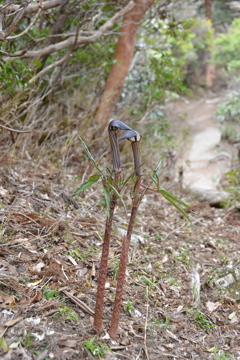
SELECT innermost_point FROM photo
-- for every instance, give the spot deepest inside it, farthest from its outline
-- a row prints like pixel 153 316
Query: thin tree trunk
pixel 123 57
pixel 210 68
pixel 208 9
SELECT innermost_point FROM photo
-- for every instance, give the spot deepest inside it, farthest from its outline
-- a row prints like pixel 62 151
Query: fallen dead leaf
pixel 211 306
pixel 232 315
pixel 3 344
pixel 36 298
pixel 68 343
pixel 12 322
pixel 38 267
pixel 34 283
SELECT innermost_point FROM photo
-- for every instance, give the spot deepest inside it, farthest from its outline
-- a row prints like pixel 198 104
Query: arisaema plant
pixel 112 184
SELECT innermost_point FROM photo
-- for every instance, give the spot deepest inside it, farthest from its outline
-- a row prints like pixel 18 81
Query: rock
pixel 213 197
pixel 225 281
pixel 135 239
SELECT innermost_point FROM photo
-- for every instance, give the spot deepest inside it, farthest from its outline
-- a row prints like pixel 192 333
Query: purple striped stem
pixel 113 127
pixel 113 331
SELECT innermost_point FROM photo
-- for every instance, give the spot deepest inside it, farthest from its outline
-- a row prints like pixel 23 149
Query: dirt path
pixel 205 160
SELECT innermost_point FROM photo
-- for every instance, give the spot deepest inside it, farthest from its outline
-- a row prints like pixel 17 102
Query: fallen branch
pixel 80 303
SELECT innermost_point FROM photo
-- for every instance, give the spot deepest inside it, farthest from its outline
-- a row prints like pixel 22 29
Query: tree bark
pixel 208 9
pixel 123 56
pixel 210 68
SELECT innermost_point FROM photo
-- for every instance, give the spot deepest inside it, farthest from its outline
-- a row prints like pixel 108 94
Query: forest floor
pixel 49 261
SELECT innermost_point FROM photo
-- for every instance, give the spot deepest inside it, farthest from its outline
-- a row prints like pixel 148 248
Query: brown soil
pixel 49 260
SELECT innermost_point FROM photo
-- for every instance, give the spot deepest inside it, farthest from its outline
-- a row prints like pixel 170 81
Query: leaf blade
pixel 89 155
pixel 168 198
pixel 119 196
pixel 107 200
pixel 87 184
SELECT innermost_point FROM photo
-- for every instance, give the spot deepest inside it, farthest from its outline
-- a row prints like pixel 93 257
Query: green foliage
pixel 228 113
pixel 233 178
pixel 220 354
pixel 168 196
pixel 96 348
pixel 183 256
pixel 226 50
pixel 115 269
pixel 148 282
pixel 229 110
pixel 108 188
pixel 222 14
pixel 69 314
pixel 159 73
pixel 14 74
pixel 129 306
pixel 203 321
pixel 49 293
pixel 92 180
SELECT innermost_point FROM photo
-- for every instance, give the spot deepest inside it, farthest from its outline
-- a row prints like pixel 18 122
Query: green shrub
pixel 226 51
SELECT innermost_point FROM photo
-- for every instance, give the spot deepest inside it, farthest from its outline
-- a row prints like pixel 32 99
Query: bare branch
pixel 17 53
pixel 27 28
pixel 81 39
pixel 16 20
pixel 64 58
pixel 31 9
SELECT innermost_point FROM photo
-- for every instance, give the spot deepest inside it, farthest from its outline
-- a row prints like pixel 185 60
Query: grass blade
pixel 89 155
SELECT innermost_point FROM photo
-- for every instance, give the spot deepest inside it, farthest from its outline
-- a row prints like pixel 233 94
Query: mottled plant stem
pixel 98 317
pixel 123 264
pixel 103 271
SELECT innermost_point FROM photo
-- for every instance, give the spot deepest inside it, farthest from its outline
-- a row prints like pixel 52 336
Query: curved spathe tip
pixel 117 124
pixel 132 135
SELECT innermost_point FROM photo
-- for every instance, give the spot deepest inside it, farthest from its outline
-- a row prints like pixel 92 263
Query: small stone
pixel 225 281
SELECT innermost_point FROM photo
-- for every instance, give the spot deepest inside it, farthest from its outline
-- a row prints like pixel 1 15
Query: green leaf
pixel 118 195
pixel 131 175
pixel 37 63
pixel 3 344
pixel 170 197
pixel 174 198
pixel 156 171
pixel 87 184
pixel 155 179
pixel 128 178
pixel 107 199
pixel 49 293
pixel 78 253
pixel 154 176
pixel 89 155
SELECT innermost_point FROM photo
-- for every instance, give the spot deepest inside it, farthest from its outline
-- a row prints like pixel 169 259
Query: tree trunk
pixel 208 9
pixel 210 68
pixel 123 56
